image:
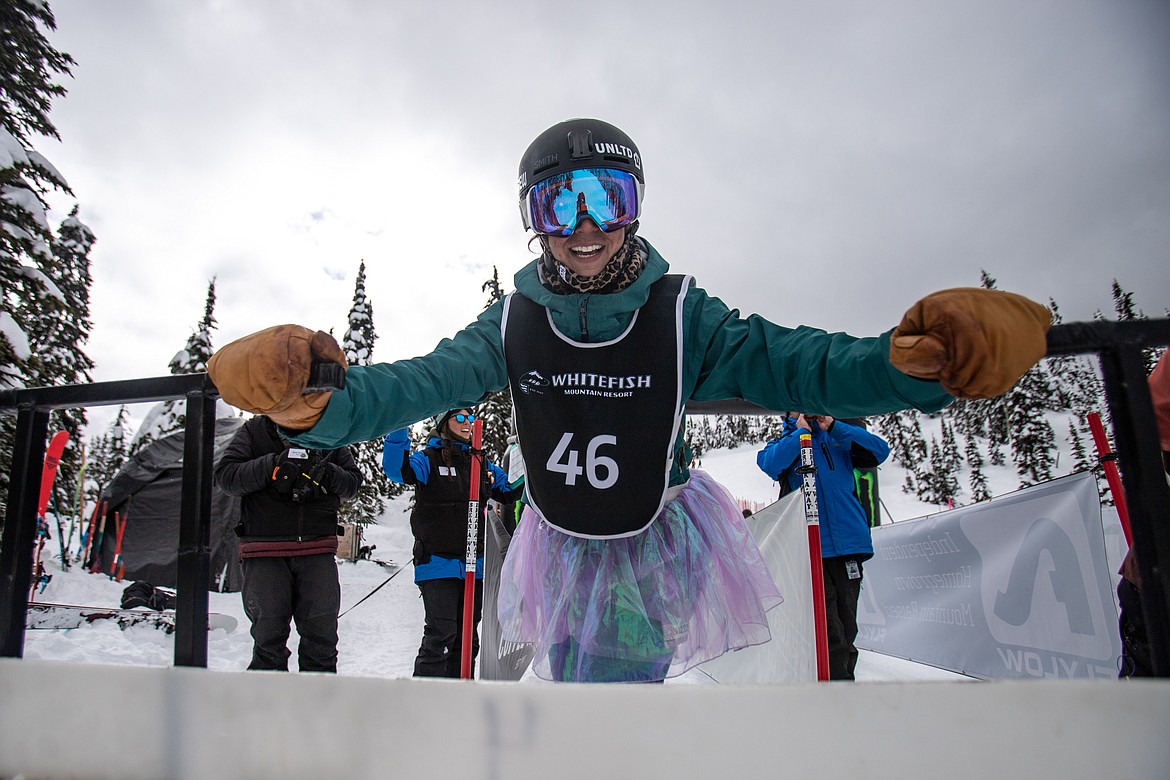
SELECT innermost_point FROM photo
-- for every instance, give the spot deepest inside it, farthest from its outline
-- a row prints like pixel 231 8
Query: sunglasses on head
pixel 464 417
pixel 610 197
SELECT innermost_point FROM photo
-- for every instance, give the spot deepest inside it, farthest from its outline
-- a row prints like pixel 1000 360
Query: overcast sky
pixel 819 163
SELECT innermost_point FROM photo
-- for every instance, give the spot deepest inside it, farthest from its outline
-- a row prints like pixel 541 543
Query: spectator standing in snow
pixel 845 538
pixel 290 497
pixel 627 565
pixel 441 475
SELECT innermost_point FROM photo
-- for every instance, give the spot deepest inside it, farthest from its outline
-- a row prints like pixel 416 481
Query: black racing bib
pixel 596 423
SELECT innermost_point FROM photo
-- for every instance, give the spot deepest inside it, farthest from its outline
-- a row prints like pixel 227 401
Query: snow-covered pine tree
pixel 938 484
pixel 358 344
pixel 698 436
pixel 28 69
pixel 1076 379
pixel 107 453
pixel 1033 441
pixel 967 417
pixel 58 329
pixel 903 431
pixel 978 480
pixel 496 410
pixel 360 336
pixel 737 430
pixel 1126 310
pixel 991 412
pixel 1081 461
pixel 170 416
pixel 953 458
pixel 995 412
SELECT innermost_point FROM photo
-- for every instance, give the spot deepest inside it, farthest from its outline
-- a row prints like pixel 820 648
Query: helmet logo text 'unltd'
pixel 619 149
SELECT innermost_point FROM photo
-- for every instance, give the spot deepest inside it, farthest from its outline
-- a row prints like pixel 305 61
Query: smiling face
pixel 460 430
pixel 587 249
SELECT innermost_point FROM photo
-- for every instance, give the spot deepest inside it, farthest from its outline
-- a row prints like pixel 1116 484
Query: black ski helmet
pixel 575 144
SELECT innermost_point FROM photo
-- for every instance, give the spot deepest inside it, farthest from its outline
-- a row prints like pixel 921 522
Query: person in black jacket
pixel 441 474
pixel 290 498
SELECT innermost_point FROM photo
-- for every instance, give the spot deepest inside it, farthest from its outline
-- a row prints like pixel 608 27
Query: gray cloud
pixel 823 164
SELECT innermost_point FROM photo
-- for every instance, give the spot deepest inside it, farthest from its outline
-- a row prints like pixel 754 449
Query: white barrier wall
pixel 60 720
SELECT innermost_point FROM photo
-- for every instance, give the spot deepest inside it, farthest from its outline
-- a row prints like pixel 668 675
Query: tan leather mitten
pixel 267 372
pixel 977 343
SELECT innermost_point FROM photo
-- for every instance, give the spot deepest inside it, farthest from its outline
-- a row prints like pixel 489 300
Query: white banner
pixel 1014 588
pixel 781 532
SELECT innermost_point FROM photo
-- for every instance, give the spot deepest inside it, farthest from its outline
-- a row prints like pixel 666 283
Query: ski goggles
pixel 610 197
pixel 464 417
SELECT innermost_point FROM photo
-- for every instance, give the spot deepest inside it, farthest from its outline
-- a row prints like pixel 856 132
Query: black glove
pixel 293 464
pixel 326 475
pixel 308 485
pixel 285 476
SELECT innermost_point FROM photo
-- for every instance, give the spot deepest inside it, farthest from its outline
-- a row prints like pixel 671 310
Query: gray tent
pixel 147 492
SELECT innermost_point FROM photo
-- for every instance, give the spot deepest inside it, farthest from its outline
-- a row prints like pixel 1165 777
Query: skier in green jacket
pixel 627 564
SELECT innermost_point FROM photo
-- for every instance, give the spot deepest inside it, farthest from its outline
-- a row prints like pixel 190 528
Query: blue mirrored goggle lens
pixel 607 196
pixel 465 418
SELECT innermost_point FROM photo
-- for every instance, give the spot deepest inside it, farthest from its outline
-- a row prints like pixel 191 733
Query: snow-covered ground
pixel 380 636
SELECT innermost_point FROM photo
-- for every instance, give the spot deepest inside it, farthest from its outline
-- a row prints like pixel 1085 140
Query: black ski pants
pixel 841 595
pixel 304 589
pixel 1136 660
pixel 441 651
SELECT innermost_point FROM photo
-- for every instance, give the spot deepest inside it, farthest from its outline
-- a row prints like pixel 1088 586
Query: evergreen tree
pixel 898 431
pixel 978 480
pixel 358 344
pixel 916 442
pixel 938 484
pixel 951 455
pixel 1126 310
pixel 29 66
pixel 496 409
pixel 1032 439
pixel 696 436
pixel 1080 455
pixel 1123 304
pixel 1085 458
pixel 967 417
pixel 995 412
pixel 107 454
pixel 192 359
pixel 58 329
pixel 170 416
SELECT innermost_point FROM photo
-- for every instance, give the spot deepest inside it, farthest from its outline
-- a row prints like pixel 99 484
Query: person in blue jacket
pixel 441 474
pixel 627 564
pixel 845 539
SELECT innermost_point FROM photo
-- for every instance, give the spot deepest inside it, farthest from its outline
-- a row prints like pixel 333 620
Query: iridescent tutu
pixel 688 589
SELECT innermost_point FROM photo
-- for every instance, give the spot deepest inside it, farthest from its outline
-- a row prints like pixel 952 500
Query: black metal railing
pixel 32 409
pixel 1118 344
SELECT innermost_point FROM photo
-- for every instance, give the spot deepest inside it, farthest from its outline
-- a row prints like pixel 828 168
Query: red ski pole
pixel 117 567
pixel 472 552
pixel 808 473
pixel 1108 460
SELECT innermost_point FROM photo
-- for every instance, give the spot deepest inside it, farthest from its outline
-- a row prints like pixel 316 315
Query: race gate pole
pixel 1108 460
pixel 472 551
pixel 808 473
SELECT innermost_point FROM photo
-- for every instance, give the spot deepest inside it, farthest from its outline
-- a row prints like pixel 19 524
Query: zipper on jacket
pixel 828 457
pixel 582 315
